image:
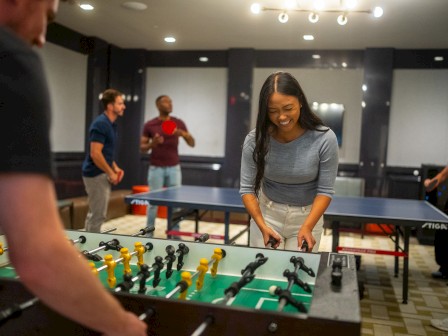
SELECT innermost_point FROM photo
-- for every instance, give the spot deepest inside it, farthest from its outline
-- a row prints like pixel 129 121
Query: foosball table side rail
pixel 169 317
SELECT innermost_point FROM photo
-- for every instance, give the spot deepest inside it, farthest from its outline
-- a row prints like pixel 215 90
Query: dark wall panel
pixel 378 74
pixel 239 92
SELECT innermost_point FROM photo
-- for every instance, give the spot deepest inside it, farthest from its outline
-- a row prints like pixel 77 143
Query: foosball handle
pixel 336 273
pixel 271 242
pixel 16 310
pixel 202 238
pixel 147 314
pixel 305 247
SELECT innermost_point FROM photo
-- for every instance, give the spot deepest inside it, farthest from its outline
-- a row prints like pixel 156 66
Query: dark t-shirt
pixel 101 130
pixel 165 154
pixel 24 107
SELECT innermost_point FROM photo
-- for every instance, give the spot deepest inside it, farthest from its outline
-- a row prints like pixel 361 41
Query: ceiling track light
pixel 313 17
pixel 313 14
pixel 342 19
pixel 283 17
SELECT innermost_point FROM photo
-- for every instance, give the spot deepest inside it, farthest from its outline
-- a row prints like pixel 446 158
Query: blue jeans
pixel 158 178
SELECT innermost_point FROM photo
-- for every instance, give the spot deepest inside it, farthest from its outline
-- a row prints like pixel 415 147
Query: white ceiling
pixel 225 24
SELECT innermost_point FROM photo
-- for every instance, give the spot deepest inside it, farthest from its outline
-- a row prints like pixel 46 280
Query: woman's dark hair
pixel 284 83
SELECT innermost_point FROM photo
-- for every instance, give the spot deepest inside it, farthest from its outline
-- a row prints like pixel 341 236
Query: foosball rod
pixel 148 247
pixel 282 303
pixel 106 246
pixel 247 276
pixel 109 230
pixel 143 231
pixel 81 239
pixel 2 249
pixel 208 320
pixel 16 310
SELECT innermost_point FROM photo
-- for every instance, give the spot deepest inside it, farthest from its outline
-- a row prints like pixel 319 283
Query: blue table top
pixel 388 210
pixel 371 209
pixel 210 198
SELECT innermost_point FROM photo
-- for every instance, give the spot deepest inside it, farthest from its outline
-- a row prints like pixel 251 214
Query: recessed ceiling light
pixel 170 39
pixel 308 37
pixel 134 5
pixel 86 7
pixel 438 58
pixel 344 64
pixel 203 59
pixel 316 56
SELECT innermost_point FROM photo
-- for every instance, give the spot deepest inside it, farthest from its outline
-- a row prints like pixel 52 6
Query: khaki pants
pixel 98 194
pixel 286 220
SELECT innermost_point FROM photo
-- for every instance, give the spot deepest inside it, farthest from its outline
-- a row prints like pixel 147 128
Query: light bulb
pixel 313 17
pixel 342 19
pixel 283 17
pixel 255 8
pixel 377 12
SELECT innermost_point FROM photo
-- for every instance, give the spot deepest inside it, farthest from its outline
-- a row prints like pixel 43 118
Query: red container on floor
pixel 139 209
pixel 162 211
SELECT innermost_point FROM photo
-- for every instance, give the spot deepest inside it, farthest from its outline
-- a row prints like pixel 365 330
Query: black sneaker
pixel 439 275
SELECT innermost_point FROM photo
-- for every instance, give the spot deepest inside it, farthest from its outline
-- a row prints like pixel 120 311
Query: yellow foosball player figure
pixel 217 256
pixel 93 267
pixel 140 249
pixel 124 253
pixel 186 277
pixel 111 264
pixel 202 269
pixel 2 250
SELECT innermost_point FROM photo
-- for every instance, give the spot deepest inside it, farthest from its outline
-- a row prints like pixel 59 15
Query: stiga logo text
pixel 139 202
pixel 435 226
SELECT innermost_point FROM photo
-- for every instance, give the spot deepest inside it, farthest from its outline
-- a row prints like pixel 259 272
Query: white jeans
pixel 286 220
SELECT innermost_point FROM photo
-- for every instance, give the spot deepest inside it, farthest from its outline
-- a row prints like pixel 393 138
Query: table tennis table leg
pixel 169 220
pixel 397 248
pixel 226 226
pixel 335 236
pixel 407 231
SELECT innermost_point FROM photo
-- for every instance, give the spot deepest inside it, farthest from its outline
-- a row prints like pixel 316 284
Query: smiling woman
pixel 288 168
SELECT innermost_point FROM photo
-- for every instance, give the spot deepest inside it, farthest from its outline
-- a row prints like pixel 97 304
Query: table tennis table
pixel 227 200
pixel 404 214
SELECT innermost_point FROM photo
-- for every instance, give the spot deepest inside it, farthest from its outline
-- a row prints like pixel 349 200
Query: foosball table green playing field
pixel 193 288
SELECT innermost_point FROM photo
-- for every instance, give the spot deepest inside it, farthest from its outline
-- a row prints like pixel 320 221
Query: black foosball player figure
pixel 127 283
pixel 181 251
pixel 145 274
pixel 157 267
pixel 170 258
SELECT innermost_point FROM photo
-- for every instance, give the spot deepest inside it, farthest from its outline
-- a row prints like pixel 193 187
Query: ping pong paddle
pixel 168 127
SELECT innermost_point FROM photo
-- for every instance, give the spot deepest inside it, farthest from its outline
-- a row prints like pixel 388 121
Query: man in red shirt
pixel 164 169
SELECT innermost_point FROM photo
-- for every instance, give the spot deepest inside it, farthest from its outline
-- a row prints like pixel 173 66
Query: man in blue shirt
pixel 99 170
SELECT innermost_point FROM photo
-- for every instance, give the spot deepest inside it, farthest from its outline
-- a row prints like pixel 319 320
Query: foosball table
pixel 195 288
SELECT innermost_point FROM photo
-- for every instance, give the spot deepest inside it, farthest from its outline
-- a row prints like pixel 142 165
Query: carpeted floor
pixel 382 310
